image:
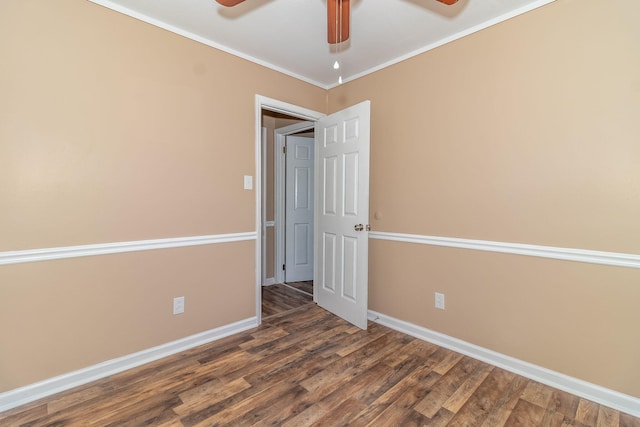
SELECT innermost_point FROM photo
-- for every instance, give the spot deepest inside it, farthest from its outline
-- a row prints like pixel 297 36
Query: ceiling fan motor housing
pixel 338 15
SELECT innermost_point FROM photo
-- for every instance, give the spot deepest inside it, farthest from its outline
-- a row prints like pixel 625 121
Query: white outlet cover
pixel 439 300
pixel 178 305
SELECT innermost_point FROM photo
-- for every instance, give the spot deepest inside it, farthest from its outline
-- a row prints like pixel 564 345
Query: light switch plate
pixel 248 182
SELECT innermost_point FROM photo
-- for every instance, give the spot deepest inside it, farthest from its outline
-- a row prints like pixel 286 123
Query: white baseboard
pixel 595 393
pixel 607 397
pixel 32 392
pixel 270 281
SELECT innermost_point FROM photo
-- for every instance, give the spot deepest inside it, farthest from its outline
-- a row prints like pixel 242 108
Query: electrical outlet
pixel 178 305
pixel 439 300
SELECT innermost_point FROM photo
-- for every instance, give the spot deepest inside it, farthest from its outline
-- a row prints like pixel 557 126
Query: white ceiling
pixel 290 35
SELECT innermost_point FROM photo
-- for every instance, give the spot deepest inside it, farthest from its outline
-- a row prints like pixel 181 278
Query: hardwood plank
pixel 159 412
pixel 74 398
pixel 359 341
pixel 394 375
pixel 306 287
pixel 369 385
pixel 233 411
pixel 263 337
pixel 297 335
pixel 339 416
pixel 627 420
pixel 525 413
pixel 607 417
pixel 464 392
pixel 394 414
pixel 208 394
pixel 228 345
pixel 308 417
pixel 451 359
pixel 351 390
pixel 281 298
pixel 564 403
pixel 554 419
pixel 418 384
pixel 507 396
pixel 24 415
pixel 415 419
pixel 267 363
pixel 538 394
pixel 587 412
pixel 169 423
pixel 339 372
pixel 487 396
pixel 442 418
pixel 447 385
pixel 401 407
pixel 307 367
pixel 276 410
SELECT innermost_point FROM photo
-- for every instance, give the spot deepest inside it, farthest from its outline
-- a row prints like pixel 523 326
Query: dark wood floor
pixel 305 367
pixel 306 286
pixel 280 298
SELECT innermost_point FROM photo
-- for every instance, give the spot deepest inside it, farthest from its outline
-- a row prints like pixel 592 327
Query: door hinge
pixel 283 267
pixel 284 149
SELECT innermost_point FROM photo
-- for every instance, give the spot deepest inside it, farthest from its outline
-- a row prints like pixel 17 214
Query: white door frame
pixel 264 103
pixel 265 224
pixel 279 185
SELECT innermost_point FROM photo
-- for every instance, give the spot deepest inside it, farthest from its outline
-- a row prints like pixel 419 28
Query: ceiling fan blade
pixel 338 14
pixel 449 2
pixel 229 3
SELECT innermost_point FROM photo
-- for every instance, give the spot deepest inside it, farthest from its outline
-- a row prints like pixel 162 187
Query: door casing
pixel 270 104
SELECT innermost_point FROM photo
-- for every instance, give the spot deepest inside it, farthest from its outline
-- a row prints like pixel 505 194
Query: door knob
pixel 358 227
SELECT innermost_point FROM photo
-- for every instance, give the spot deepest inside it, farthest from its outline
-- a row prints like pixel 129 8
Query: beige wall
pixel 113 130
pixel 526 132
pixel 59 316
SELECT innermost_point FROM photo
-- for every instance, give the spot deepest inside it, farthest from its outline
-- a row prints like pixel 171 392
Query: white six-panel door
pixel 342 212
pixel 299 209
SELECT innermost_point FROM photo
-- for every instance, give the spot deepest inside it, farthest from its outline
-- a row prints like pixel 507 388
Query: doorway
pixel 287 214
pixel 341 214
pixel 277 127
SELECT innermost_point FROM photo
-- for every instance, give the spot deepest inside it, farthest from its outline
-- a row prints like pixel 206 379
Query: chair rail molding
pixel 567 254
pixel 46 254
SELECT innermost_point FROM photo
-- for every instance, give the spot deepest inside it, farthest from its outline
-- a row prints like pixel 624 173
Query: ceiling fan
pixel 338 13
